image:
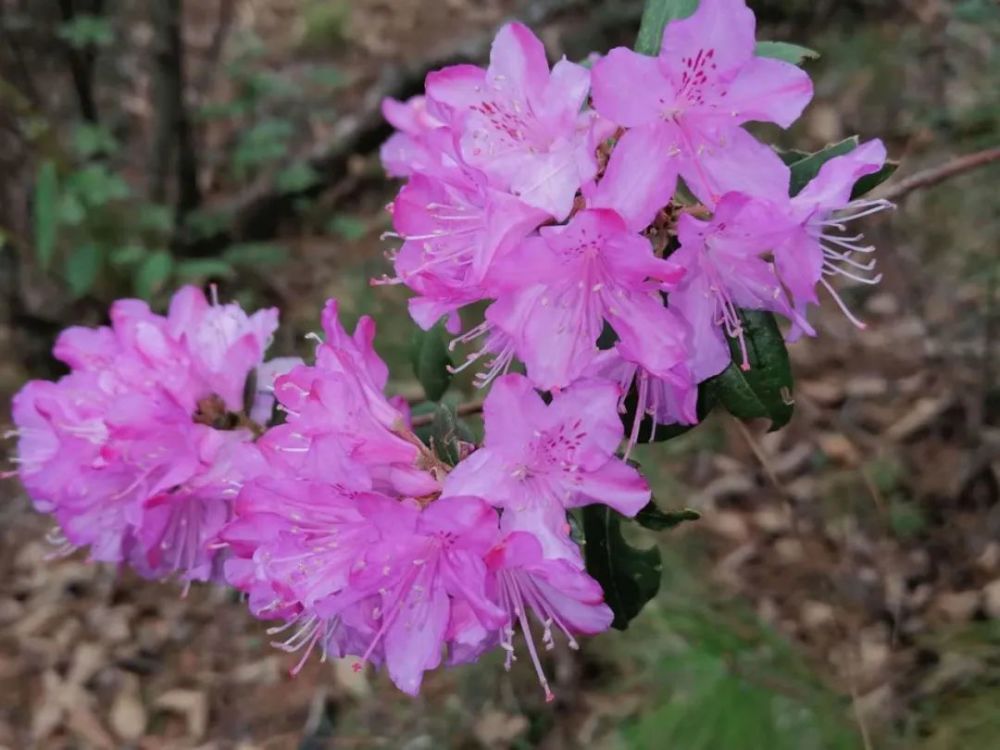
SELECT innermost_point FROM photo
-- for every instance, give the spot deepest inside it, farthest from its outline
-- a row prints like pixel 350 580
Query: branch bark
pixel 173 142
pixel 936 175
pixel 81 63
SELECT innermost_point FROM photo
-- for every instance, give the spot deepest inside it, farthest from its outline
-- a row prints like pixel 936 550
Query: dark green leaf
pixel 871 181
pixel 630 577
pixel 199 269
pixel 804 170
pixel 765 389
pixel 447 435
pixel 82 267
pixel 431 361
pixel 46 198
pixel 792 53
pixel 656 15
pixel 651 517
pixel 153 273
pixel 791 155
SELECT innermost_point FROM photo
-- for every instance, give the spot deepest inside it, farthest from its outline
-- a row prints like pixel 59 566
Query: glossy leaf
pixel 651 517
pixel 431 361
pixel 765 389
pixel 630 577
pixel 45 212
pixel 804 170
pixel 656 15
pixel 449 437
pixel 792 53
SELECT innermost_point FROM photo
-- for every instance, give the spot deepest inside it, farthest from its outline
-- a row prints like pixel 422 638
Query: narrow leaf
pixel 765 389
pixel 630 577
pixel 46 203
pixel 871 181
pixel 656 15
pixel 804 170
pixel 792 53
pixel 651 517
pixel 431 361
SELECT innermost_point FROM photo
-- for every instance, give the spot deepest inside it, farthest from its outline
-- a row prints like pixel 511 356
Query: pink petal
pixel 640 177
pixel 720 32
pixel 832 186
pixel 768 90
pixel 630 89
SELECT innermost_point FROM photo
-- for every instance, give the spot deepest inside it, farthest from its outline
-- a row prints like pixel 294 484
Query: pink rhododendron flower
pixel 540 459
pixel 574 278
pixel 556 591
pixel 521 123
pixel 138 452
pixel 409 149
pixel 453 227
pixel 725 272
pixel 705 83
pixel 817 247
pixel 340 426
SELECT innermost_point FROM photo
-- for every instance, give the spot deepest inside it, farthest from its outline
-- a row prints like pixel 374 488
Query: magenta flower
pixel 573 279
pixel 705 83
pixel 556 591
pixel 453 226
pixel 410 149
pixel 538 460
pixel 340 427
pixel 138 452
pixel 725 272
pixel 817 248
pixel 521 123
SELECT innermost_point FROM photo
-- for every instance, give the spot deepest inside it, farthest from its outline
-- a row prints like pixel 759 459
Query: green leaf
pixel 297 178
pixel 154 217
pixel 448 434
pixel 630 577
pixel 656 15
pixel 651 517
pixel 153 273
pixel 45 204
pixel 348 227
pixel 792 53
pixel 806 167
pixel 199 269
pixel 431 361
pixel 765 389
pixel 93 140
pixel 804 170
pixel 82 267
pixel 128 255
pixel 255 254
pixel 86 30
pixel 871 181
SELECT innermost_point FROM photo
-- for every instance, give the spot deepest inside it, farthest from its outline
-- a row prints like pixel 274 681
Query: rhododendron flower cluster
pixel 553 194
pixel 615 223
pixel 141 449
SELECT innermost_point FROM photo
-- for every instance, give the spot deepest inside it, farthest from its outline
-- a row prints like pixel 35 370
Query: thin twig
pixel 940 173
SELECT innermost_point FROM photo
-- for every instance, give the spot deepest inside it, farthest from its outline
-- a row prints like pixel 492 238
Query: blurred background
pixel 843 587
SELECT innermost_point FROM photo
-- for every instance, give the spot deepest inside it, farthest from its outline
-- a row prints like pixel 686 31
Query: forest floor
pixel 866 534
